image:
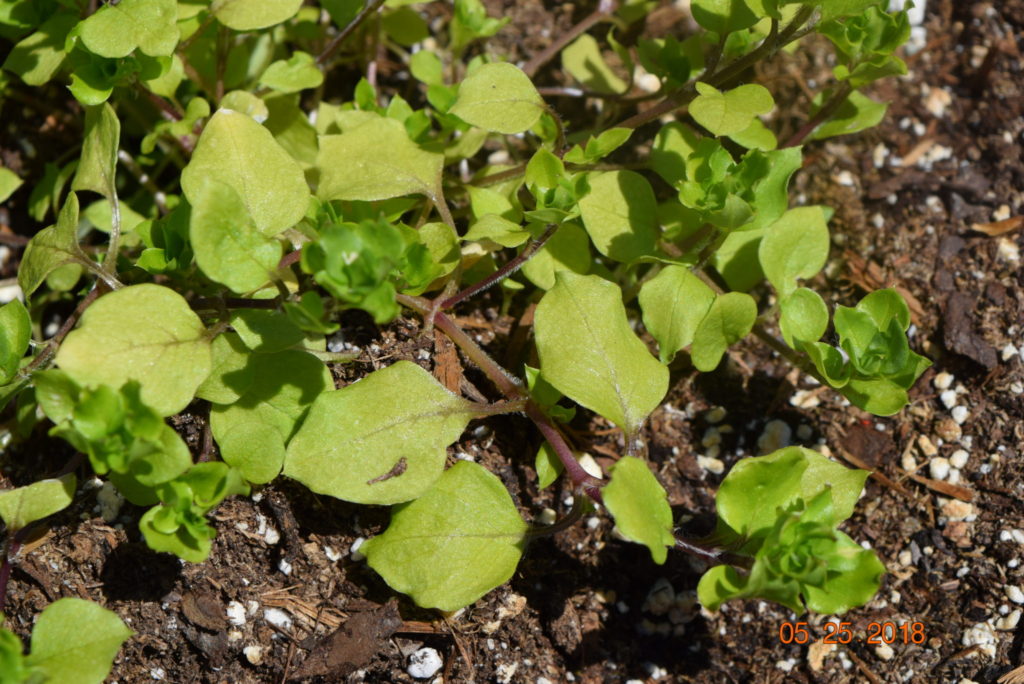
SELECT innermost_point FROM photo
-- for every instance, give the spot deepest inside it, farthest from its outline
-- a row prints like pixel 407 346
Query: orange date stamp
pixel 876 633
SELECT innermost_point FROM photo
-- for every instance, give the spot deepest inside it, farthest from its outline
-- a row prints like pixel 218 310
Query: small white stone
pixel 845 178
pixel 879 154
pixel 804 432
pixel 506 672
pixel 331 554
pixel 884 652
pixel 907 461
pixel 1007 250
pixel 254 654
pixel 943 381
pixel 905 558
pixel 236 613
pixel 960 414
pixel 1001 213
pixel 278 618
pixel 712 465
pixel 712 437
pixel 1009 351
pixel 1008 623
pixel 660 598
pixel 806 399
pixel 424 663
pixel 110 502
pixel 777 434
pixel 1014 593
pixel 937 101
pixel 284 566
pixel 948 398
pixel 157 673
pixel 938 468
pixel 959 458
pixel 715 415
pixel 588 464
pixel 354 552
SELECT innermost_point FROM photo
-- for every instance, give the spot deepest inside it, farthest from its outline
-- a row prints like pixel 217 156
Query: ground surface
pixel 584 606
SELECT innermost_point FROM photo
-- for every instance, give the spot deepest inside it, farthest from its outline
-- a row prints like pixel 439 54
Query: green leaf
pixel 544 170
pixel 425 66
pixel 674 144
pixel 620 214
pixel 454 544
pixel 146 333
pixel 296 73
pixel 548 465
pixel 266 331
pixel 228 247
pixel 497 229
pixel 639 505
pixel 9 182
pixel 12 661
pixel 350 449
pixel 237 151
pixel 794 247
pixel 229 378
pixel 249 15
pixel 51 248
pixel 499 97
pixel 583 59
pixel 732 111
pixel 116 29
pixel 591 355
pixel 756 136
pixel 753 491
pixel 99 152
pixel 76 641
pixel 803 317
pixel 857 579
pixel 15 333
pixel 567 250
pixel 24 505
pixel 729 320
pixel 599 147
pixel 881 397
pixel 275 391
pixel 405 26
pixel 376 161
pixel 38 57
pixel 673 303
pixel 857 113
pixel 724 16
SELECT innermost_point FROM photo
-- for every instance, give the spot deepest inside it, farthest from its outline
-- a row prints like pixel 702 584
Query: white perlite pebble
pixel 1014 593
pixel 960 414
pixel 424 663
pixel 948 398
pixel 1009 622
pixel 1009 351
pixel 110 502
pixel 354 552
pixel 884 652
pixel 943 381
pixel 777 434
pixel 959 458
pixel 254 654
pixel 284 566
pixel 236 613
pixel 278 618
pixel 712 465
pixel 938 468
pixel 588 464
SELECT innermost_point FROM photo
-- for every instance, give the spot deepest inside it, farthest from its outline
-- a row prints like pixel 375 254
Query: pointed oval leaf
pixel 732 111
pixel 24 505
pixel 249 15
pixel 620 214
pixel 724 16
pixel 15 333
pixel 674 302
pixel 228 247
pixel 275 391
pixel 567 250
pixel 51 248
pixel 591 355
pixel 76 641
pixel 296 73
pixel 454 544
pixel 146 333
pixel 640 507
pixel 729 319
pixel 803 317
pixel 499 97
pixel 351 449
pixel 116 29
pixel 376 160
pixel 583 59
pixel 99 151
pixel 237 151
pixel 794 247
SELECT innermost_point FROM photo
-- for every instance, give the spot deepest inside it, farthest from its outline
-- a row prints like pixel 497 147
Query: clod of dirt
pixel 203 609
pixel 352 645
pixel 959 334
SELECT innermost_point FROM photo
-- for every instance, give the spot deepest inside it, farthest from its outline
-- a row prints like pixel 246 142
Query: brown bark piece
pixel 958 331
pixel 203 609
pixel 352 645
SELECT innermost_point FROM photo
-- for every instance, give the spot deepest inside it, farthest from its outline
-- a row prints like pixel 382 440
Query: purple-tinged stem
pixel 505 271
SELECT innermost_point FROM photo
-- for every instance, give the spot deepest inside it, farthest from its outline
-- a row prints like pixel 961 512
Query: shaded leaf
pixel 640 507
pixel 24 505
pixel 673 303
pixel 729 320
pixel 620 214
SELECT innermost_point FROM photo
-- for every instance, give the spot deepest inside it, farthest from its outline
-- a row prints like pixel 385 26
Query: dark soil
pixel 584 606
